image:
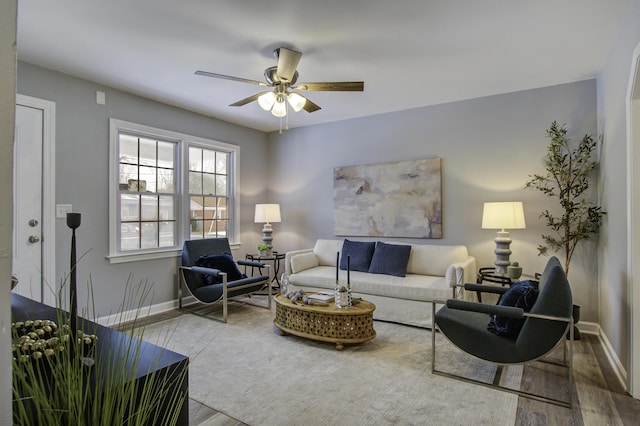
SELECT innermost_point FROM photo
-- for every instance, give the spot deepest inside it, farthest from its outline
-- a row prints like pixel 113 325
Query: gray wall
pixel 612 120
pixel 488 147
pixel 82 160
pixel 8 24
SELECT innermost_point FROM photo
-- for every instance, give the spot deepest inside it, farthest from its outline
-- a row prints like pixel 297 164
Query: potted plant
pixel 566 178
pixel 52 386
pixel 263 249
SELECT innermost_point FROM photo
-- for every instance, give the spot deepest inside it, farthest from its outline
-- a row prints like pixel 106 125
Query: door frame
pixel 49 287
pixel 633 215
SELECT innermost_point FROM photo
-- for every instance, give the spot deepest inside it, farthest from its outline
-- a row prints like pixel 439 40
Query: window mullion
pixel 139 198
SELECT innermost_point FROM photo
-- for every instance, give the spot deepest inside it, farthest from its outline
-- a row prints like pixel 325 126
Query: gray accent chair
pixel 193 277
pixel 548 325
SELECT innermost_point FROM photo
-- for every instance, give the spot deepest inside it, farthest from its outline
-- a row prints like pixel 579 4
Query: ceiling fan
pixel 282 78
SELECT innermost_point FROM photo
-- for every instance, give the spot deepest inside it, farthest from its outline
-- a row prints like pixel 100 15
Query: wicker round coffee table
pixel 325 323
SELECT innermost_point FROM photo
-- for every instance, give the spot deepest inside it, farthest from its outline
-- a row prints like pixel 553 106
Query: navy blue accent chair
pixel 548 325
pixel 193 277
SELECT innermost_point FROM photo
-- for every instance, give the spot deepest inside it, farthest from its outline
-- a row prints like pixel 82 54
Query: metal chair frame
pixel 567 358
pixel 225 291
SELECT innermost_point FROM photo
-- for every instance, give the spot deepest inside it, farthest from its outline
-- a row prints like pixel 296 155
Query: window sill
pixel 141 256
pixel 163 254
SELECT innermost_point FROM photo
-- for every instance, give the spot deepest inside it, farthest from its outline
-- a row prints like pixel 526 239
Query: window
pixel 166 187
pixel 147 187
pixel 208 192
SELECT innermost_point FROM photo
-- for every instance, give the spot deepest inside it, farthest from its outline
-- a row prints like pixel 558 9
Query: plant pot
pixel 514 271
pixel 576 319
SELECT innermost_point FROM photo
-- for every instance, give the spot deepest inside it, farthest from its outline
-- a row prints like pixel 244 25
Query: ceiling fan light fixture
pixel 296 101
pixel 279 108
pixel 267 100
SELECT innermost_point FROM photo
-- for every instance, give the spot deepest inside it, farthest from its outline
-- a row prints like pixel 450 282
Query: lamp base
pixel 502 251
pixel 267 238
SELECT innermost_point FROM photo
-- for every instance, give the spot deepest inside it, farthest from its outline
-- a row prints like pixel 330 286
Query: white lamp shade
pixel 267 100
pixel 279 108
pixel 267 213
pixel 296 101
pixel 503 215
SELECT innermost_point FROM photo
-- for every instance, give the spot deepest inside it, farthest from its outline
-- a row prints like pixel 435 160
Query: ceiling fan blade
pixel 247 100
pixel 310 106
pixel 287 63
pixel 335 86
pixel 228 77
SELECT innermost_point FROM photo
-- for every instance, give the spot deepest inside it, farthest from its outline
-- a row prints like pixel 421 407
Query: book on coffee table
pixel 322 296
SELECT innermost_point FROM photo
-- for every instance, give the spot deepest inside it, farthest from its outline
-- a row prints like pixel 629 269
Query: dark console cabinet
pixel 151 358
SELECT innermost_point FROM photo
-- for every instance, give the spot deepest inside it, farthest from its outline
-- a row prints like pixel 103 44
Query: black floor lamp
pixel 73 222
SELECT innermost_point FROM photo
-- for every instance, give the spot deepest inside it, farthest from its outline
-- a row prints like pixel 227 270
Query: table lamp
pixel 267 213
pixel 503 215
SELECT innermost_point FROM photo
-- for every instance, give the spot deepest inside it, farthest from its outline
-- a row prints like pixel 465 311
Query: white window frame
pixel 183 141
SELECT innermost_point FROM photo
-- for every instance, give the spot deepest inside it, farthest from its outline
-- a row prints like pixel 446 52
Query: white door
pixel 34 199
pixel 27 201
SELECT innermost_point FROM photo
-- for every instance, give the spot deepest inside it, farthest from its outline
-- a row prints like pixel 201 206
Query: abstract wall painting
pixel 399 199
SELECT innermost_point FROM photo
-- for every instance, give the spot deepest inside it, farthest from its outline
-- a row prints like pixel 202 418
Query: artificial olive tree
pixel 567 177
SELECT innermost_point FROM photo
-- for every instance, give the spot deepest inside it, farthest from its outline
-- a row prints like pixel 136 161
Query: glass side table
pixel 490 275
pixel 274 258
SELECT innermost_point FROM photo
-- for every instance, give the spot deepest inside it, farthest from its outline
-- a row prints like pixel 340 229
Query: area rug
pixel 247 371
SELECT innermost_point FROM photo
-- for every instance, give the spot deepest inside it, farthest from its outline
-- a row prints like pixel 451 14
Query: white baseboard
pixel 589 327
pixel 617 366
pixel 614 360
pixel 115 319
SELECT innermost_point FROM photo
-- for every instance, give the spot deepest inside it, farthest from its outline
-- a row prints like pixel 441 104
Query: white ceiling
pixel 409 53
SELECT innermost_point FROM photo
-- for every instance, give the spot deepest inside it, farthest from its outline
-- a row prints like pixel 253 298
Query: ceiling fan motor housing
pixel 271 75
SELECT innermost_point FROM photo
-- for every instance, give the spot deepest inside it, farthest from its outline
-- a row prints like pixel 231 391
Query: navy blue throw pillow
pixel 223 262
pixel 522 294
pixel 359 252
pixel 390 259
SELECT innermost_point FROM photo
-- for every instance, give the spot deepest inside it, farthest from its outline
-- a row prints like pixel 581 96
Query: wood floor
pixel 598 396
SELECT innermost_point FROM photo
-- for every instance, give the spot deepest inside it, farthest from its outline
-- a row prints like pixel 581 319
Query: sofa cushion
pixel 223 262
pixel 401 300
pixel 427 259
pixel 326 251
pixel 390 259
pixel 359 254
pixel 300 262
pixel 522 294
pixel 412 287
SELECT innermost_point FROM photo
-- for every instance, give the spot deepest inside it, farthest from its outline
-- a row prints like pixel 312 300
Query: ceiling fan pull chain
pixel 286 123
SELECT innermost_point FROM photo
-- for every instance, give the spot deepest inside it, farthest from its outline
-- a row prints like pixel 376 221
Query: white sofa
pixel 433 272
